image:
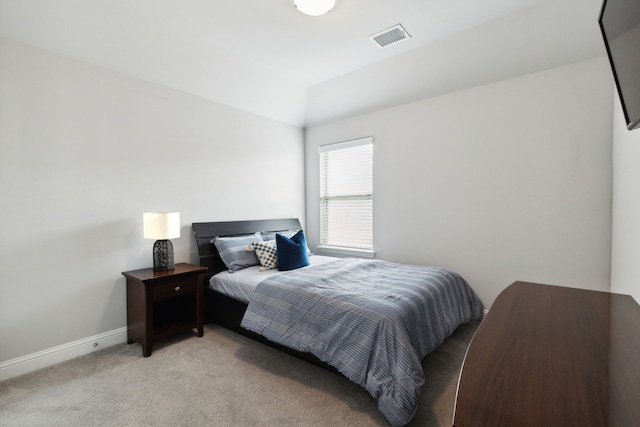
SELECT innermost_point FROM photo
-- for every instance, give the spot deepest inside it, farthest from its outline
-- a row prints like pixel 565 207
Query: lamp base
pixel 163 256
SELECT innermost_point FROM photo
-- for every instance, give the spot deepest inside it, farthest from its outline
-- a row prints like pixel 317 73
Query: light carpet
pixel 221 379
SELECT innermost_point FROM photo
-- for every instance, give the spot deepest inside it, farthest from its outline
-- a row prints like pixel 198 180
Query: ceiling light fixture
pixel 314 7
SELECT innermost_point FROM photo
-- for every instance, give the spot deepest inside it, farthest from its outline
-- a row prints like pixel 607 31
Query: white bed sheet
pixel 241 284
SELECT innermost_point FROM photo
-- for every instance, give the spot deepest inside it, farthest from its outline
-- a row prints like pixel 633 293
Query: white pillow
pixel 234 253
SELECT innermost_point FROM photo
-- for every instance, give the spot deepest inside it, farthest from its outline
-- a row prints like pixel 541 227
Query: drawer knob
pixel 177 288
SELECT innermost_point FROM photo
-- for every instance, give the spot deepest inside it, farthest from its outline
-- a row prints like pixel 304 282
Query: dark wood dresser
pixel 553 356
pixel 160 303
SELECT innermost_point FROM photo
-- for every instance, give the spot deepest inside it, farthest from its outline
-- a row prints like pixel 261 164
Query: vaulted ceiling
pixel 265 57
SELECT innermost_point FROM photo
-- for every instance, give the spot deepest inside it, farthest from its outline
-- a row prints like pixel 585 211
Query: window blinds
pixel 346 194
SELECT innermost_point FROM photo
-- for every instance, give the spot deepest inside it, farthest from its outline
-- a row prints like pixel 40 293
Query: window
pixel 346 196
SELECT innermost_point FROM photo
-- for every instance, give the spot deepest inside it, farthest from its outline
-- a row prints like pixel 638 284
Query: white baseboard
pixel 41 359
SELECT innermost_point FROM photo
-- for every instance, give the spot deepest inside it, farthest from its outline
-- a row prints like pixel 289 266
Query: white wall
pixel 504 182
pixel 625 246
pixel 83 153
pixel 123 36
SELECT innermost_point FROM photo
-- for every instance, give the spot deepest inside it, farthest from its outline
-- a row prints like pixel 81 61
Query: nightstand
pixel 160 303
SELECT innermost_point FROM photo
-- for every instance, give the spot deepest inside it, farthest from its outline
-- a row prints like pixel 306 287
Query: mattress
pixel 241 284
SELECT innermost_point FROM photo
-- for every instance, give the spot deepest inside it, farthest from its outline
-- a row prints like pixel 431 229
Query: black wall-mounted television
pixel 620 25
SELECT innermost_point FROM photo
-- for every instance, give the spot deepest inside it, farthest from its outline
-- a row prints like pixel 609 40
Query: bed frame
pixel 220 308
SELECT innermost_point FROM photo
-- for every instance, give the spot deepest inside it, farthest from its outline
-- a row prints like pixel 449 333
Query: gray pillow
pixel 234 253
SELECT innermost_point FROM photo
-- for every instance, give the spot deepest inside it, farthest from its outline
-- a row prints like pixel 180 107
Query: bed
pixel 370 320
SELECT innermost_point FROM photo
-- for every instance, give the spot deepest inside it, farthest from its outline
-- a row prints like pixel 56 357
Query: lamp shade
pixel 314 7
pixel 161 225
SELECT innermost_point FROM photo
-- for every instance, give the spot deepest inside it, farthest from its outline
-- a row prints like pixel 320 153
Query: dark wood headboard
pixel 204 232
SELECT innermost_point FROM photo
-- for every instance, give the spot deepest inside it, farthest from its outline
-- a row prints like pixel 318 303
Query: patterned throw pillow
pixel 267 254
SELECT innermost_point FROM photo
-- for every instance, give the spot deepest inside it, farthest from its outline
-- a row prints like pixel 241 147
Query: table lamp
pixel 162 226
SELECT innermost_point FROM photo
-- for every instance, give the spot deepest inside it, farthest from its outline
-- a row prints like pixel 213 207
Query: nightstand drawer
pixel 174 288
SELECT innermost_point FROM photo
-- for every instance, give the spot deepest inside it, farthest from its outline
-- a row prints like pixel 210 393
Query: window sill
pixel 344 252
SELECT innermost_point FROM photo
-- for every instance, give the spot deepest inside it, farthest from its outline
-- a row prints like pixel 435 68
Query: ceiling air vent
pixel 390 36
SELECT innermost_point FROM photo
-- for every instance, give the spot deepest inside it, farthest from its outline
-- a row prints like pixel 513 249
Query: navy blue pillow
pixel 292 251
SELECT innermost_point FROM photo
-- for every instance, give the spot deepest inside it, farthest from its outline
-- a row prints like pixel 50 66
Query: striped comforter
pixel 372 320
